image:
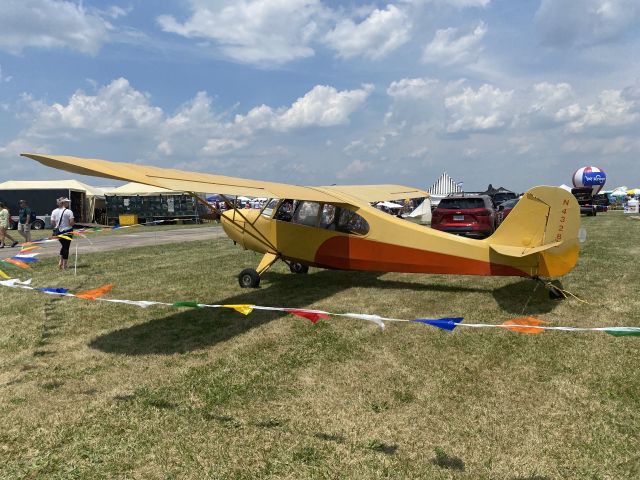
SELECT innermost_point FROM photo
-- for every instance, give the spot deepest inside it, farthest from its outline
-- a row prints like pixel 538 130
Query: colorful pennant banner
pixel 527 325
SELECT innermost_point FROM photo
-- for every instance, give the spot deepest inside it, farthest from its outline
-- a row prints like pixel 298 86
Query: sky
pixel 319 92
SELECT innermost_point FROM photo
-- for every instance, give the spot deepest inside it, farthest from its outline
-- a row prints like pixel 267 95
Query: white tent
pixel 390 205
pixel 52 185
pixel 422 211
pixel 132 188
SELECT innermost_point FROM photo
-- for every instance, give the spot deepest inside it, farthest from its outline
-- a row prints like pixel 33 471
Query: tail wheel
pixel 555 293
pixel 297 267
pixel 249 278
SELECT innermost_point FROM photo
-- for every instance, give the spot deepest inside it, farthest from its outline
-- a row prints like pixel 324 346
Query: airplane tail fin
pixel 544 223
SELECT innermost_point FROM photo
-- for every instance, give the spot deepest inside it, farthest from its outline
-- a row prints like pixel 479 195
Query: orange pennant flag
pixel 28 249
pixel 523 324
pixel 17 263
pixel 96 292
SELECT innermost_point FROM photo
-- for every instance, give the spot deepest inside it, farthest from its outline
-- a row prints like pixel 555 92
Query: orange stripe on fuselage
pixel 350 253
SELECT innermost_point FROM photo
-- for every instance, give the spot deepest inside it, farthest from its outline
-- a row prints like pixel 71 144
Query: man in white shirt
pixel 62 220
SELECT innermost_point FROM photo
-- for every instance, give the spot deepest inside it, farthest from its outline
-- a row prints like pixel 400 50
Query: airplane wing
pixel 377 193
pixel 186 181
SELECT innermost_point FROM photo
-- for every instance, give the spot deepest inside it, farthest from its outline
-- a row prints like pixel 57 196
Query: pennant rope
pixel 529 325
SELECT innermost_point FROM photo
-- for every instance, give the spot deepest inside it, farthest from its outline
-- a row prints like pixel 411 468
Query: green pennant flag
pixel 189 304
pixel 8 265
pixel 623 331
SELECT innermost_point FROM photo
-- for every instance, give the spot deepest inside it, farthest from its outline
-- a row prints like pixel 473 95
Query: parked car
pixel 468 215
pixel 501 197
pixel 504 209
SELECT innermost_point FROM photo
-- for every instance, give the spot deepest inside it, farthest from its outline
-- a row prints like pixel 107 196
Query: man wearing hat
pixel 63 221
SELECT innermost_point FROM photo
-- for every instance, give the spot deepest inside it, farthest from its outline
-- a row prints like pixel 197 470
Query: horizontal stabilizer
pixel 512 251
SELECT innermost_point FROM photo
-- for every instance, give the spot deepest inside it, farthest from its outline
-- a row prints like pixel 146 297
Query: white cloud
pixel 474 111
pixel 450 47
pixel 252 31
pixel 323 106
pixel 220 146
pixel 412 88
pixel 3 77
pixel 375 37
pixel 355 168
pixel 611 110
pixel 549 96
pixel 116 108
pixel 567 23
pixel 119 114
pixel 50 24
pixel 454 3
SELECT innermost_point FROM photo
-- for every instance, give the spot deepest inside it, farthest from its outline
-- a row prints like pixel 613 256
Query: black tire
pixel 249 278
pixel 555 294
pixel 297 267
pixel 38 225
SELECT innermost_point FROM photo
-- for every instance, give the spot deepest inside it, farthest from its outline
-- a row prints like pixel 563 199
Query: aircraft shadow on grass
pixel 193 329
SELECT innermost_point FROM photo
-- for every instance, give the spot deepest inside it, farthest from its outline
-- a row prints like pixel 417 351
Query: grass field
pixel 96 390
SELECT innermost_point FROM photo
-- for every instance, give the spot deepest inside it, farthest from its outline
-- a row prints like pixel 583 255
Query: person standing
pixel 24 221
pixel 63 221
pixel 5 223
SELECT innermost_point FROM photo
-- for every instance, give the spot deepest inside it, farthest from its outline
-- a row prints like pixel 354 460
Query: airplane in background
pixel 335 227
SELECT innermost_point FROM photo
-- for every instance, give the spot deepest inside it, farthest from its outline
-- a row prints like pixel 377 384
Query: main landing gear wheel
pixel 297 267
pixel 249 278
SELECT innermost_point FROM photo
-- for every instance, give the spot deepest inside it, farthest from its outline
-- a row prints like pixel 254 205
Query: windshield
pixel 461 203
pixel 510 203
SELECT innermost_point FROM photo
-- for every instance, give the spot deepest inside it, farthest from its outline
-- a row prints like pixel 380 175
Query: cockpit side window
pixel 268 209
pixel 285 210
pixel 328 216
pixel 350 222
pixel 307 214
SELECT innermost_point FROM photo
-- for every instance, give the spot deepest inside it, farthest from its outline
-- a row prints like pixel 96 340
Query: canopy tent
pixel 52 185
pixel 619 192
pixel 391 205
pixel 422 211
pixel 132 188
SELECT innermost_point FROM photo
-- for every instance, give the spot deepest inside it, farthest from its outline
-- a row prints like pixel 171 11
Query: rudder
pixel 545 222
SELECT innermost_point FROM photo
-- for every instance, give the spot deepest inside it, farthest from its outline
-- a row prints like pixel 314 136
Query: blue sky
pixel 516 93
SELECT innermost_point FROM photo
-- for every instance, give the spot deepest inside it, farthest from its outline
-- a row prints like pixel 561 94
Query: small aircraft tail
pixel 545 223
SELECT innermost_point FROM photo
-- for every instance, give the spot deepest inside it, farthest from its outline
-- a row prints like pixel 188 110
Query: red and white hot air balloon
pixel 590 177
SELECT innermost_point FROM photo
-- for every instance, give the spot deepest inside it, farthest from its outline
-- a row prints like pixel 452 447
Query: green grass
pixel 97 390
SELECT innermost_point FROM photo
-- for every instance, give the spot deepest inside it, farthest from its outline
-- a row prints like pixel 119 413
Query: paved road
pixel 139 237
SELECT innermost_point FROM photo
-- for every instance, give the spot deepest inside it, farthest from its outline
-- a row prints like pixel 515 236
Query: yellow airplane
pixel 336 227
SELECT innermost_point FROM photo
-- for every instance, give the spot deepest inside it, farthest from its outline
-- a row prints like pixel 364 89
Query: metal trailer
pixel 43 202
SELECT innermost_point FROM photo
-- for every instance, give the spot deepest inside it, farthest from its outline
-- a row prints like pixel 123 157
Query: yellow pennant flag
pixel 243 309
pixel 4 275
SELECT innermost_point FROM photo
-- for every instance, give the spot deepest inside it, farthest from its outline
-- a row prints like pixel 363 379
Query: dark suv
pixel 469 215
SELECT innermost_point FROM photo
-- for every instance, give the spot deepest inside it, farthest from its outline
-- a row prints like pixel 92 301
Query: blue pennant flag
pixel 443 323
pixel 25 259
pixel 53 290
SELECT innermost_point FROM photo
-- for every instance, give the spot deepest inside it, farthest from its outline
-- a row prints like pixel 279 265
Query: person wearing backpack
pixel 24 220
